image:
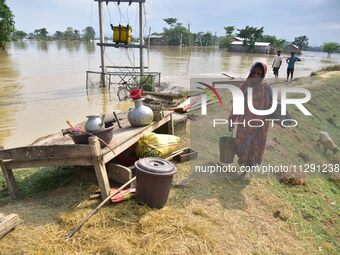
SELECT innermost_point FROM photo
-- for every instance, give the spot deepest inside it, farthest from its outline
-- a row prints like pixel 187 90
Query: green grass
pixel 35 181
pixel 331 68
pixel 316 205
pixel 316 212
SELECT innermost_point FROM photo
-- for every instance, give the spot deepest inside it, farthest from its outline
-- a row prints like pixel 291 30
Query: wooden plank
pixel 53 139
pixel 129 136
pixel 165 95
pixel 121 45
pixel 13 164
pixel 59 139
pixel 99 166
pixel 8 223
pixel 46 152
pixel 10 180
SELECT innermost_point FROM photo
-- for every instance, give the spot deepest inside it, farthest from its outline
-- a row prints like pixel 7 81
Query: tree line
pixel 174 35
pixel 69 34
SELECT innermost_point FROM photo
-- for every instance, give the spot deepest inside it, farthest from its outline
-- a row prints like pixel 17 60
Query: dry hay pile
pixel 193 227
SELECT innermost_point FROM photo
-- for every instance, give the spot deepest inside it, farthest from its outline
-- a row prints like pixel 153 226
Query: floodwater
pixel 42 84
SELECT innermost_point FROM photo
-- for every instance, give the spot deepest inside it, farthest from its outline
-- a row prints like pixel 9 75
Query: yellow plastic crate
pixel 122 34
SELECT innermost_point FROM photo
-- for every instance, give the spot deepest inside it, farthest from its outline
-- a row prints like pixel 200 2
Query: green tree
pixel 226 41
pixel 171 21
pixel 207 39
pixel 76 35
pixel 89 33
pixel 250 35
pixel 172 36
pixel 275 42
pixel 330 47
pixel 6 24
pixel 229 30
pixel 18 35
pixel 41 34
pixel 31 36
pixel 69 34
pixel 301 42
pixel 58 35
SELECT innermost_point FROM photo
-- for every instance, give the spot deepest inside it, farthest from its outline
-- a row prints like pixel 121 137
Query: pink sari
pixel 251 141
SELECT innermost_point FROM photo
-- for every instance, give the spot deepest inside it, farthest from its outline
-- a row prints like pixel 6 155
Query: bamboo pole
pixel 78 227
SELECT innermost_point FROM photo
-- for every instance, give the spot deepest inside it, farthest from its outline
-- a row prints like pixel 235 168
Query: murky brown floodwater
pixel 42 84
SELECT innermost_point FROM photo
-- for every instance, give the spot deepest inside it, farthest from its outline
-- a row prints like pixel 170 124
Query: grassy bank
pixel 215 214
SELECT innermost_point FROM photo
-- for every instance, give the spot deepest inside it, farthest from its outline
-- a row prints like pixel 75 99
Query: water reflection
pixel 90 46
pixel 70 46
pixel 20 45
pixel 9 96
pixel 42 45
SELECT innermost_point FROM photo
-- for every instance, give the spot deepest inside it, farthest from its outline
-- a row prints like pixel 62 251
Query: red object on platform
pixel 136 94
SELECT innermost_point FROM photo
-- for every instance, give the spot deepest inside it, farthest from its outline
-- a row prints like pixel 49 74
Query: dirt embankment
pixel 215 214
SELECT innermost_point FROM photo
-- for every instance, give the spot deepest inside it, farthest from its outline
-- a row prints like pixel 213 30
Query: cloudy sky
pixel 318 19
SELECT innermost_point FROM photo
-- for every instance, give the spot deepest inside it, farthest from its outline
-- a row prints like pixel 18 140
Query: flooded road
pixel 42 84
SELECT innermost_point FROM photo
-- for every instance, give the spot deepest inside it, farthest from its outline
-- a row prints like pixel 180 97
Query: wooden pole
pixel 102 40
pixel 141 40
pixel 10 181
pixel 99 166
pixel 7 223
pixel 149 43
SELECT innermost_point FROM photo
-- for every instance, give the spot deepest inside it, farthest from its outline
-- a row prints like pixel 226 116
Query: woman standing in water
pixel 251 141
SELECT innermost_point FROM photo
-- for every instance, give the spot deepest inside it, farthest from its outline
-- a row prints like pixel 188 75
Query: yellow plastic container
pixel 122 34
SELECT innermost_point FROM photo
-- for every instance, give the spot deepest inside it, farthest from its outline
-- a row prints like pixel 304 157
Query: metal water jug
pixel 94 123
pixel 140 115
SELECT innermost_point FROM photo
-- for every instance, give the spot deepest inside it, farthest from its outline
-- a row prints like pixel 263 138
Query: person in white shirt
pixel 277 64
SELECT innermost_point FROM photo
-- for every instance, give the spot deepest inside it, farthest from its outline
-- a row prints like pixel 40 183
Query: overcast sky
pixel 318 19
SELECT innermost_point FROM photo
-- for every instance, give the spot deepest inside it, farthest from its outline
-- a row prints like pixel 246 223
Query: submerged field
pixel 215 214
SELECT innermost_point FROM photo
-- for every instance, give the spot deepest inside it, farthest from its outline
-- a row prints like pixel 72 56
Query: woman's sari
pixel 251 141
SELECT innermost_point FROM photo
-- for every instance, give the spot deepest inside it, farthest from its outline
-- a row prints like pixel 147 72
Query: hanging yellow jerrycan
pixel 122 34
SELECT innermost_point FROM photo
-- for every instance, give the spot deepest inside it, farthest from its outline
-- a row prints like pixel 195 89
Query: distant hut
pixel 260 47
pixel 292 48
pixel 156 40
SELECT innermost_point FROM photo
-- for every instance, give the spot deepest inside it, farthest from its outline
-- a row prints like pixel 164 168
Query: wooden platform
pixel 57 150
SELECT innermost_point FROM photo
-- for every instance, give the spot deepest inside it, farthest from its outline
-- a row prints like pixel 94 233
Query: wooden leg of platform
pixel 171 127
pixel 99 166
pixel 10 181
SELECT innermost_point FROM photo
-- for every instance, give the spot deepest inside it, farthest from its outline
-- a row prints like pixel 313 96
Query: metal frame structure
pixel 122 76
pixel 102 44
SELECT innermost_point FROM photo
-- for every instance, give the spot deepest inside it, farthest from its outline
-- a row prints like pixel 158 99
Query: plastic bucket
pixel 153 181
pixel 227 145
